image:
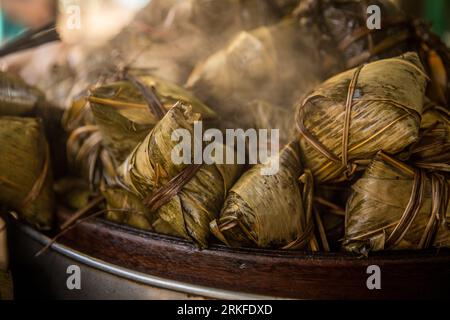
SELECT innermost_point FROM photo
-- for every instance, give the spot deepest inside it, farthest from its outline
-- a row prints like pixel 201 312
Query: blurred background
pixel 100 20
pixel 434 11
pixel 17 15
pixel 101 17
pixel 104 18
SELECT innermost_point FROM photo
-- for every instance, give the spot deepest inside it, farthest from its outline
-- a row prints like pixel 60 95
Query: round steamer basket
pixel 118 262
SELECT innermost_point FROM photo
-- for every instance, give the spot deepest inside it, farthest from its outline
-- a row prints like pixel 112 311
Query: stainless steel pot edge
pixel 141 277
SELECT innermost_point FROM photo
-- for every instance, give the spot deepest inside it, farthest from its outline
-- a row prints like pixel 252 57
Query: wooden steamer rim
pixel 223 273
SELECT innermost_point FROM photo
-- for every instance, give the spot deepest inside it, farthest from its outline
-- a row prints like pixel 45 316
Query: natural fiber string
pixel 439 204
pixel 163 195
pixel 346 127
pixel 149 95
pixel 361 144
pixel 226 223
pixel 310 138
pixel 332 208
pixel 74 138
pixel 316 144
pixel 347 117
pixel 115 103
pixel 432 225
pixel 440 201
pixel 321 230
pixel 411 211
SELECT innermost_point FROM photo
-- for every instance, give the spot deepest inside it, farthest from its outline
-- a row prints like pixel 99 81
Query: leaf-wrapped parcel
pixel 345 121
pixel 107 125
pixel 267 211
pixel 200 189
pixel 26 182
pixel 397 207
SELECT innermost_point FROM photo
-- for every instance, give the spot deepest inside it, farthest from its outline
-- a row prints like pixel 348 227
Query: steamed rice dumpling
pixel 185 196
pixel 107 125
pixel 124 118
pixel 270 64
pixel 355 114
pixel 268 210
pixel 16 97
pixel 25 171
pixel 395 207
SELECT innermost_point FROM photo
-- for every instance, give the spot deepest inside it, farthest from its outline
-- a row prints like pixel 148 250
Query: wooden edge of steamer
pixel 257 273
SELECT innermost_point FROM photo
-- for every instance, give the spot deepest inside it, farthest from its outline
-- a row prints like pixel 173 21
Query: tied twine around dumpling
pixel 350 168
pixel 185 196
pixel 165 193
pixel 391 230
pixel 399 113
pixel 269 210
